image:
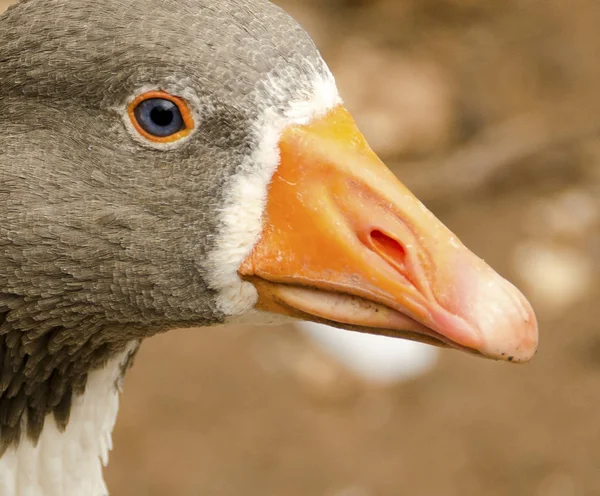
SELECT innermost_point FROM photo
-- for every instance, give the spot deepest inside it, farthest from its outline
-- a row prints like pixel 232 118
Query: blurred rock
pixel 403 105
pixel 572 214
pixel 556 276
pixel 322 378
pixel 354 491
pixel 318 374
pixel 559 484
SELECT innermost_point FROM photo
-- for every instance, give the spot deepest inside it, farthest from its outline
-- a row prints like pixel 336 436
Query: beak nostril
pixel 389 249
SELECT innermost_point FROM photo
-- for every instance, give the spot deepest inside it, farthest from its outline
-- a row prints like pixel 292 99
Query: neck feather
pixel 69 462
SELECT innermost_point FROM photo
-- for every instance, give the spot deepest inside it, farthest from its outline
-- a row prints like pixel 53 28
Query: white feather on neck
pixel 70 463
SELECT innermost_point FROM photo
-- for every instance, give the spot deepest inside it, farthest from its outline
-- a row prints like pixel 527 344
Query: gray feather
pixel 101 238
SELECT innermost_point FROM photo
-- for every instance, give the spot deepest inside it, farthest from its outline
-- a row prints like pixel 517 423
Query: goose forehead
pixel 226 49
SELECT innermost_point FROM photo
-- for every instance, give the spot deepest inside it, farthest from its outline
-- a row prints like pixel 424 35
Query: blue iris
pixel 159 117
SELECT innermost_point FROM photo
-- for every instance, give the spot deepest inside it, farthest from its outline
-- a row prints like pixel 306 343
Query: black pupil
pixel 162 116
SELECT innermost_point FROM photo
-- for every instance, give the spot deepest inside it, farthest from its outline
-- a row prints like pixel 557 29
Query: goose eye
pixel 160 117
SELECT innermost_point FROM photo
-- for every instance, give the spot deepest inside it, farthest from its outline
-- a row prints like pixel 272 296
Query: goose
pixel 191 164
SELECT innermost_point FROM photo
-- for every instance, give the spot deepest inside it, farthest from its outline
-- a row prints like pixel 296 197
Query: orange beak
pixel 346 244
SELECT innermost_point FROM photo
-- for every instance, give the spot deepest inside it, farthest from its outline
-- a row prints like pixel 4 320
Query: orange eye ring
pixel 184 110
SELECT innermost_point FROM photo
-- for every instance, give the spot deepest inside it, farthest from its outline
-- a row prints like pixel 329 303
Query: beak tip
pixel 514 337
pixel 502 319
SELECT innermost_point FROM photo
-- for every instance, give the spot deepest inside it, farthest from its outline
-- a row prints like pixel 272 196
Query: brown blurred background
pixel 490 113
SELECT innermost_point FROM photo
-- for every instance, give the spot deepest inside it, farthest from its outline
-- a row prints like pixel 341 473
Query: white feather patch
pixel 242 214
pixel 69 463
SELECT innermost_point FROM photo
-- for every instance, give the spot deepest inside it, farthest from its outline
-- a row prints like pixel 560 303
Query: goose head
pixel 189 164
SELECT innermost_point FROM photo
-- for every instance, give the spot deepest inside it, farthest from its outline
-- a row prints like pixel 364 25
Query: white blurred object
pixel 375 358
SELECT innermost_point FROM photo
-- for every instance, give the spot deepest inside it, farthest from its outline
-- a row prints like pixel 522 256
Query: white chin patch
pixel 240 222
